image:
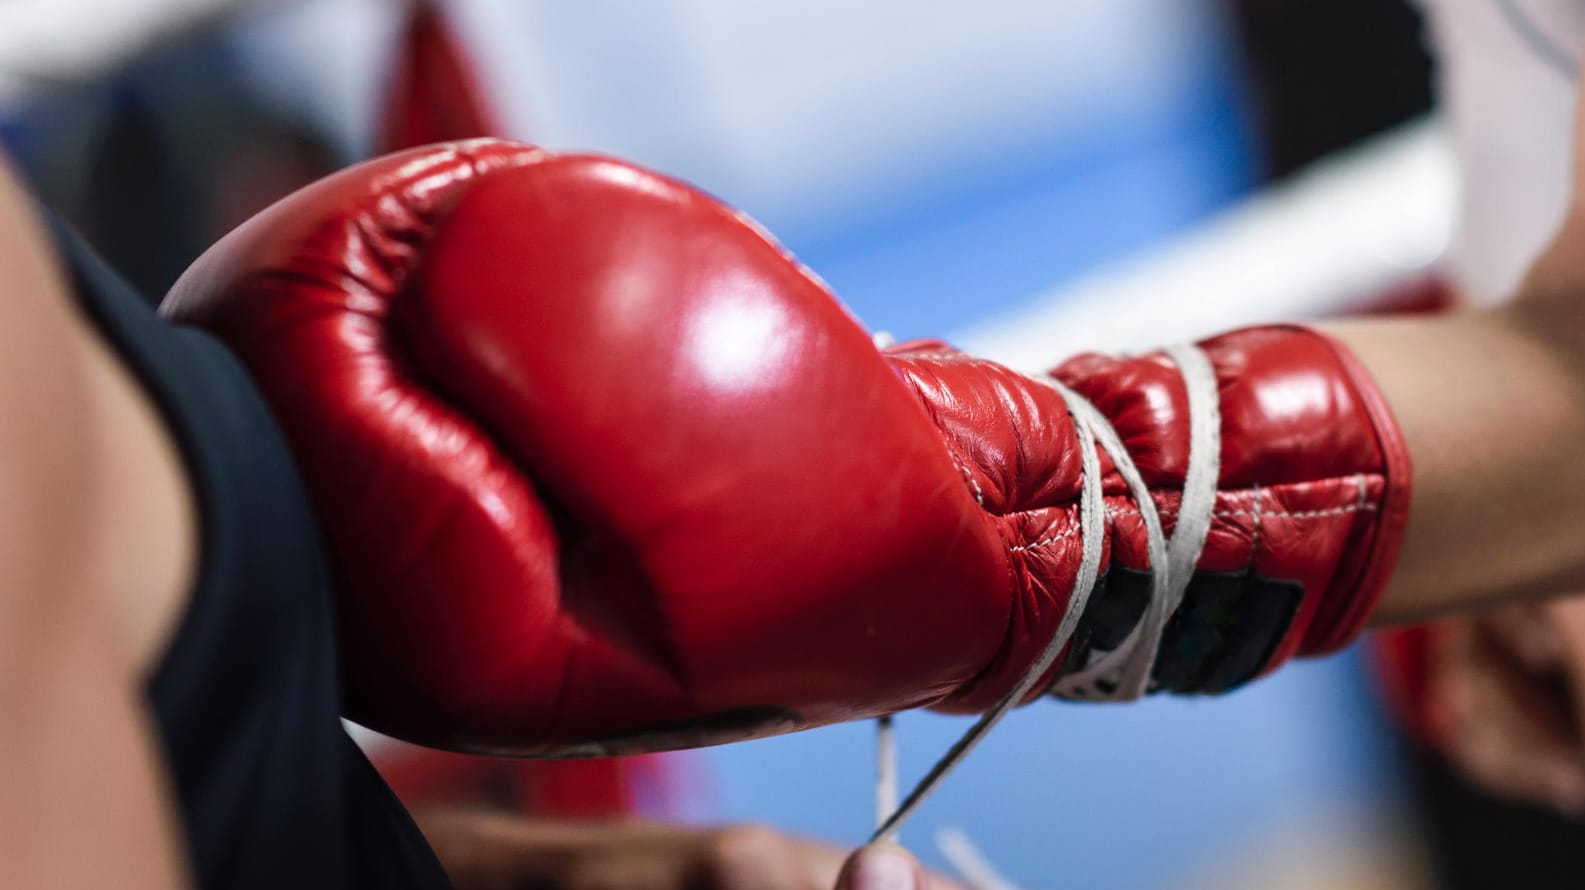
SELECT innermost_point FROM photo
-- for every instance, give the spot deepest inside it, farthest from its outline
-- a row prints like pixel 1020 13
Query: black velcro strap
pixel 1224 631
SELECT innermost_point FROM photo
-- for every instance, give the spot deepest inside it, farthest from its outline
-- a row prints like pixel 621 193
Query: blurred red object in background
pixel 433 94
pixel 652 785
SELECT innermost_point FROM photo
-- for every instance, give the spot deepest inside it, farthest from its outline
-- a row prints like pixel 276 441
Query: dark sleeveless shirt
pixel 272 791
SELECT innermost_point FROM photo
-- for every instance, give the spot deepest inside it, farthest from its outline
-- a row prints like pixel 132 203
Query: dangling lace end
pixel 1172 563
pixel 885 773
pixel 970 864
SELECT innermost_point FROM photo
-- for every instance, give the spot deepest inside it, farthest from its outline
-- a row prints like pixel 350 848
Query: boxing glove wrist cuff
pixel 1188 458
pixel 1361 581
pixel 1286 519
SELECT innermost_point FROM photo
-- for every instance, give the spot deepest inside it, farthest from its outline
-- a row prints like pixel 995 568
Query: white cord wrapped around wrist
pixel 1125 672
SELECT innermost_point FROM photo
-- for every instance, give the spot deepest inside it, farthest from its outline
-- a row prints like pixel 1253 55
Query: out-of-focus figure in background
pixel 1019 173
pixel 1495 703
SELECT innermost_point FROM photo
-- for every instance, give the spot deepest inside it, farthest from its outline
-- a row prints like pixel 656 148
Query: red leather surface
pixel 602 788
pixel 598 462
pixel 1314 481
pixel 1403 658
pixel 433 93
pixel 1301 435
pixel 594 456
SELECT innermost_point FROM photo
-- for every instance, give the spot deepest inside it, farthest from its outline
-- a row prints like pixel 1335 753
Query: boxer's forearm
pixel 1492 405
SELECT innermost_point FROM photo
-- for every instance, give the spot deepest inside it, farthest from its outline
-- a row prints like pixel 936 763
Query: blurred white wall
pixel 808 112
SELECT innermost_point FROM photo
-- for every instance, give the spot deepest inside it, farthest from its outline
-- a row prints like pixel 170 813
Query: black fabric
pixel 1223 632
pixel 1322 76
pixel 273 793
pixel 1117 603
pixel 1478 841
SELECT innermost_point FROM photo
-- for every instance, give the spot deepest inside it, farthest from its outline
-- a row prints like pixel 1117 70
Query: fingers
pixel 882 867
pixel 1527 634
pixel 1565 621
pixel 1566 618
pixel 485 851
pixel 754 857
pixel 1509 729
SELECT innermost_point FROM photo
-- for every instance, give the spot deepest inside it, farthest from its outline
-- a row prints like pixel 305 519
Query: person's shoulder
pixel 46 405
pixel 92 495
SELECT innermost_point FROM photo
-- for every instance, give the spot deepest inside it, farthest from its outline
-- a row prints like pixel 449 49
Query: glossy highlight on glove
pixel 596 459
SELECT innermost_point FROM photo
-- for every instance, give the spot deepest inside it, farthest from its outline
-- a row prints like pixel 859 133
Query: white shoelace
pixel 1124 673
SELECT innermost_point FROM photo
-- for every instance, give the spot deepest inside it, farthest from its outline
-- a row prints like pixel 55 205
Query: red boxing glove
pixel 1404 659
pixel 602 468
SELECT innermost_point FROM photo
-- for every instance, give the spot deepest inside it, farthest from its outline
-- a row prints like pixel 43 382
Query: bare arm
pixel 86 569
pixel 482 849
pixel 1492 405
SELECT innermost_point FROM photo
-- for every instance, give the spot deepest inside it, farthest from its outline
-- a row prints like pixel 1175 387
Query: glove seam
pixel 1384 539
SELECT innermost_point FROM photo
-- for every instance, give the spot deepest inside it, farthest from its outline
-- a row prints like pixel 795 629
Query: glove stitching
pixel 1095 433
pixel 946 441
pixel 1257 514
pixel 1254 537
pixel 1092 518
pixel 1060 536
pixel 1173 560
pixel 968 476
